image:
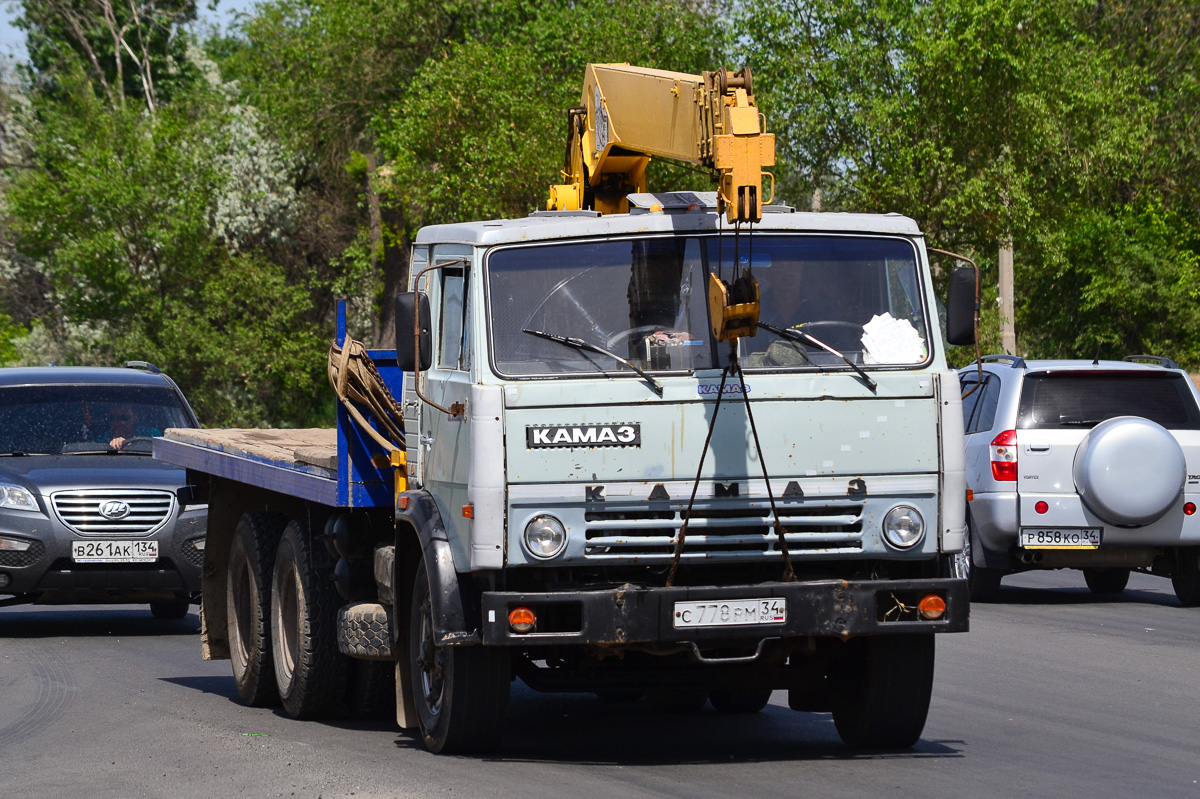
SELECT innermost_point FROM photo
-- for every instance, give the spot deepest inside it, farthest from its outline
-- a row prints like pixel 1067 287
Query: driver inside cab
pixel 123 424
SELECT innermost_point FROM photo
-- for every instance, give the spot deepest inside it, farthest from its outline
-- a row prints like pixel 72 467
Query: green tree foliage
pixel 130 217
pixel 129 49
pixel 481 131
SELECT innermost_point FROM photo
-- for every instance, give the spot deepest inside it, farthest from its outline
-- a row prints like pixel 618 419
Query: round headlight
pixel 903 527
pixel 545 537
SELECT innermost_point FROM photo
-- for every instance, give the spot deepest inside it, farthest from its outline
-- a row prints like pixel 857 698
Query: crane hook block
pixel 733 307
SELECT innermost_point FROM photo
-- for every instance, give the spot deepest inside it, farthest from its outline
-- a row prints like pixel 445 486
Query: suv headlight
pixel 17 498
pixel 903 527
pixel 545 537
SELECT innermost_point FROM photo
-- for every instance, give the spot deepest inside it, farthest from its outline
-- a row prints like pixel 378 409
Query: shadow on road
pixel 116 621
pixel 579 728
pixel 218 686
pixel 1020 595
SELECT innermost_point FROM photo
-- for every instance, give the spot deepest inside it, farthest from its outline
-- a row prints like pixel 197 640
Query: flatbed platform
pixel 301 462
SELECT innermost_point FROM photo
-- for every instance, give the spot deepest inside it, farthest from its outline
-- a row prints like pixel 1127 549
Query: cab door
pixel 446 461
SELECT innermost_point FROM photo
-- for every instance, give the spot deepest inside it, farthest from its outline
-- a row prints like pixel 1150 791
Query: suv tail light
pixel 1004 456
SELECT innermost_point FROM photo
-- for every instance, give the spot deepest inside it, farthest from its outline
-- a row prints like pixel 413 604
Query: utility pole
pixel 1008 330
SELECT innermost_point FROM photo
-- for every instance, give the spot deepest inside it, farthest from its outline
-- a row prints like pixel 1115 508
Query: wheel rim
pixel 287 620
pixel 431 661
pixel 962 560
pixel 241 589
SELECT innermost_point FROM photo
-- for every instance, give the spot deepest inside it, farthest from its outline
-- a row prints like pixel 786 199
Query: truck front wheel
pixel 310 670
pixel 248 604
pixel 884 690
pixel 460 692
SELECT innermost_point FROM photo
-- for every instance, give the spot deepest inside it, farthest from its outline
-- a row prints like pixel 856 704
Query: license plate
pixel 114 551
pixel 730 612
pixel 1060 538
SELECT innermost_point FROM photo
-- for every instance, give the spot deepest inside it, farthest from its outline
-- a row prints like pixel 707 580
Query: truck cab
pixel 602 501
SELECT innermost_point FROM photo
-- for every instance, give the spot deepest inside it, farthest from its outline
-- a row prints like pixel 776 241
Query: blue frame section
pixel 365 477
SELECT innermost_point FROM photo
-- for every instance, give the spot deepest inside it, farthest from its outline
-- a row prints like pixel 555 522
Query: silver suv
pixel 1091 465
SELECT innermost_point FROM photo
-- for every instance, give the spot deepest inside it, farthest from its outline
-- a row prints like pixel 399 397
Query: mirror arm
pixel 457 410
pixel 975 266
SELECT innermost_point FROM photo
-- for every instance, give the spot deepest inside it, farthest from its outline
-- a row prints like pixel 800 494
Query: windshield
pixel 645 301
pixel 85 418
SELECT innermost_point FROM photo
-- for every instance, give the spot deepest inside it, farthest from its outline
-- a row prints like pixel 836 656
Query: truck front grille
pixel 146 510
pixel 744 532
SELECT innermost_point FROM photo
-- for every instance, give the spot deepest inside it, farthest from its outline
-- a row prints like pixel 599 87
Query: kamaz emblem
pixel 584 435
pixel 711 389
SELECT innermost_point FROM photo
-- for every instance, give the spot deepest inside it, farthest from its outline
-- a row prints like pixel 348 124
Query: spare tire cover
pixel 1129 471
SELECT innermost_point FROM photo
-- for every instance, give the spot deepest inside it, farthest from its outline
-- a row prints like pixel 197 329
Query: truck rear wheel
pixel 310 671
pixel 460 692
pixel 371 688
pixel 884 691
pixel 248 606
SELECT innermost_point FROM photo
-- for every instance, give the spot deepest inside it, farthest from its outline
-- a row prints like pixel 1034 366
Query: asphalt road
pixel 1052 693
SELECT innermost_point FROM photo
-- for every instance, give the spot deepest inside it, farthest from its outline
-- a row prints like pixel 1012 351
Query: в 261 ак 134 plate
pixel 114 551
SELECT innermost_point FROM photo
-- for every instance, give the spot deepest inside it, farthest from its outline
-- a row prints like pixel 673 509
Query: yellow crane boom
pixel 631 114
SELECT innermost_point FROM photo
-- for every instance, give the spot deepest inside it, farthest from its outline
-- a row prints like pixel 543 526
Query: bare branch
pixel 73 23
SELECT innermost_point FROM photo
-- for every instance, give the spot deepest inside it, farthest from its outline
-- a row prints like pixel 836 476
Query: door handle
pixel 427 440
pixel 1039 446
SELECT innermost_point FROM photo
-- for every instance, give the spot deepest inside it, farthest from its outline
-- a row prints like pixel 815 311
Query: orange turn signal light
pixel 521 619
pixel 932 606
pixel 468 511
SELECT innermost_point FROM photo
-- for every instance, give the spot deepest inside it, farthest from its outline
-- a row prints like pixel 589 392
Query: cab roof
pixel 680 212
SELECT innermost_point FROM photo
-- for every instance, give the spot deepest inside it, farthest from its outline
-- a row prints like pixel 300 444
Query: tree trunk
pixel 1008 330
pixel 390 263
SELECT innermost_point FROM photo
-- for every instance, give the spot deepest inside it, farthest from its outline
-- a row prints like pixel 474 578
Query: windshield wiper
pixel 580 344
pixel 800 335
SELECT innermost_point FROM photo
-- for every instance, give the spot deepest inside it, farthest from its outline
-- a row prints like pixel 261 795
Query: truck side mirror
pixel 962 305
pixel 412 311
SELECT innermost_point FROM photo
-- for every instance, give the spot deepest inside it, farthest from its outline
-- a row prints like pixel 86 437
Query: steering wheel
pixel 624 336
pixel 834 327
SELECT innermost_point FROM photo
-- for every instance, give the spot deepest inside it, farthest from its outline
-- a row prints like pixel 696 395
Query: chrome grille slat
pixel 720 532
pixel 79 510
pixel 789 522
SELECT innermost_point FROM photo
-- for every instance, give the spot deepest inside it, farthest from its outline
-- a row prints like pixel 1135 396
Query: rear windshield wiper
pixel 580 344
pixel 800 335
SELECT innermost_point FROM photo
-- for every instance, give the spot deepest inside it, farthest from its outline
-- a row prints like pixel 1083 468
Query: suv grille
pixel 724 532
pixel 80 510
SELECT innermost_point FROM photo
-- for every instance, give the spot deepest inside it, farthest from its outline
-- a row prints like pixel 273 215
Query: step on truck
pixel 691 447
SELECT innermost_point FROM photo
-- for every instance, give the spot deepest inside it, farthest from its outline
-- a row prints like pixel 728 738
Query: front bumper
pixel 46 572
pixel 633 615
pixel 997 517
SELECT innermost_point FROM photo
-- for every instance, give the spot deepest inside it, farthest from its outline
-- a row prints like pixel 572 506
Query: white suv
pixel 1091 465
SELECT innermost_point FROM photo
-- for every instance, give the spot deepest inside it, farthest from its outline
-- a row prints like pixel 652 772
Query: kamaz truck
pixel 696 447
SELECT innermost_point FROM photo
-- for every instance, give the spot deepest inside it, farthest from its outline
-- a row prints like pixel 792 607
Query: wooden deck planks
pixel 313 446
